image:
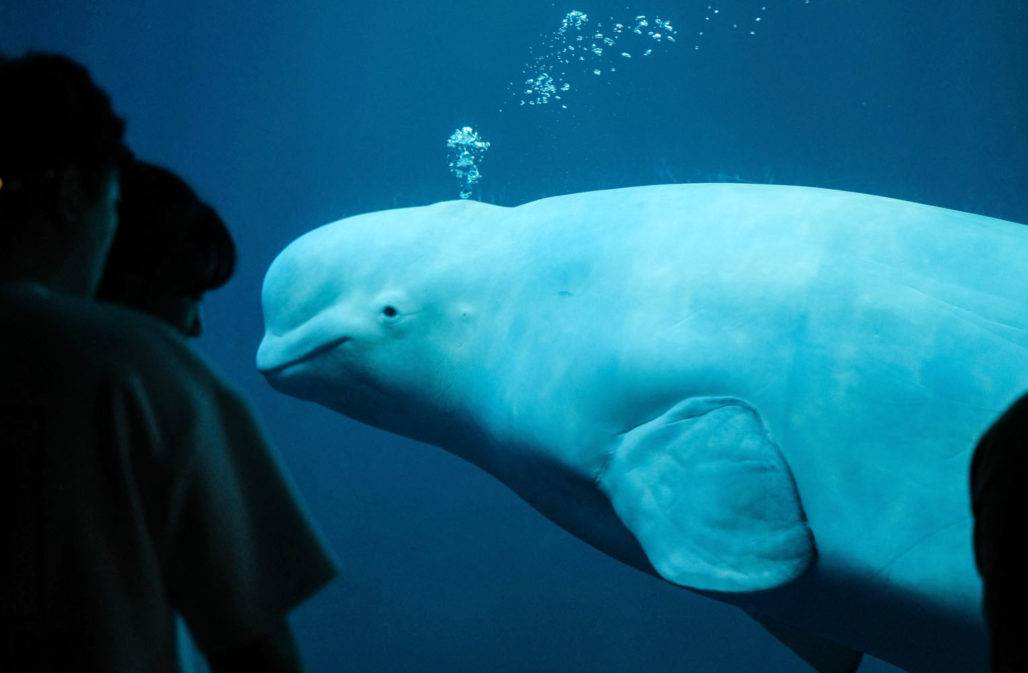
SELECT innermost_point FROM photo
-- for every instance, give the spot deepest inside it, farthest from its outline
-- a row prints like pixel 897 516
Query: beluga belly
pixel 766 394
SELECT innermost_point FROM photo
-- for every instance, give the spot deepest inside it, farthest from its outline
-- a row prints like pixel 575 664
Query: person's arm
pixel 271 652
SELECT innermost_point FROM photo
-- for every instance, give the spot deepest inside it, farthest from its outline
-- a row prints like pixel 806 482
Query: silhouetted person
pixel 999 476
pixel 169 250
pixel 136 483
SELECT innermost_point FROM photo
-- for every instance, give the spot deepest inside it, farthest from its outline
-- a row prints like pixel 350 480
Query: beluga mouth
pixel 308 356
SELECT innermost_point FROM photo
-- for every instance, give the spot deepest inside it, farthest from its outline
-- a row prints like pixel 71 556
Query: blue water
pixel 289 115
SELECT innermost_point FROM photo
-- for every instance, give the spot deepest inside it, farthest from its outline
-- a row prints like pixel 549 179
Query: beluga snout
pixel 272 363
pixel 306 312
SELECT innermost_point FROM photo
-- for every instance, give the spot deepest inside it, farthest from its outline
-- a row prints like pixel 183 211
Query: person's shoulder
pixel 1006 439
pixel 1014 419
pixel 109 341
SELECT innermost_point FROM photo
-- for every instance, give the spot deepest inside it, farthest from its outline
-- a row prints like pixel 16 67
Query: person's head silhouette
pixel 60 148
pixel 170 249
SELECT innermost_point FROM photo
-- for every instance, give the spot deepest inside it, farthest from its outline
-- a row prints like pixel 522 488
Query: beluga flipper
pixel 765 394
pixel 710 498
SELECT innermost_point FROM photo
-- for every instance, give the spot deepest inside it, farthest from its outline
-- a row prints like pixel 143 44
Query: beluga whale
pixel 765 394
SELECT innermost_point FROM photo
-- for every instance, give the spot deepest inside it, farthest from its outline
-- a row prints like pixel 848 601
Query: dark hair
pixel 167 238
pixel 53 117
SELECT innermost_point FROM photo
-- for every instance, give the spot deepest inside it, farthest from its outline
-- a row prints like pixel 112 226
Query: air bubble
pixel 579 39
pixel 466 149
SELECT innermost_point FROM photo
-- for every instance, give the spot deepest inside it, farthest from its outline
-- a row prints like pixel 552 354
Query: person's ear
pixel 72 199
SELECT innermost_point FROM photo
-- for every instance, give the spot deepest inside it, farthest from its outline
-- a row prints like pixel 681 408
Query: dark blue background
pixel 286 115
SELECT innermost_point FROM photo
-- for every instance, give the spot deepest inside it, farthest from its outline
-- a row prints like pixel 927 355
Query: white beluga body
pixel 766 394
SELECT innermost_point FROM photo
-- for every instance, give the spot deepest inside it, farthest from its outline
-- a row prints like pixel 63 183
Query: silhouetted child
pixel 170 248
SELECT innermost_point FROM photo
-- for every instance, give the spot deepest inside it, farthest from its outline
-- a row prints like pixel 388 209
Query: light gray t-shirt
pixel 137 483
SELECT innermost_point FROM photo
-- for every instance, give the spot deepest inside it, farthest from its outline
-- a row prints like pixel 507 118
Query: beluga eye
pixel 390 306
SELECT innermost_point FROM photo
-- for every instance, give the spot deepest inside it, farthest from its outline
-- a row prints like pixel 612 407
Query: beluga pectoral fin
pixel 710 498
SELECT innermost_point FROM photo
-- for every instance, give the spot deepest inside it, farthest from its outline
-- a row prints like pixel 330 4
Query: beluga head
pixel 374 316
